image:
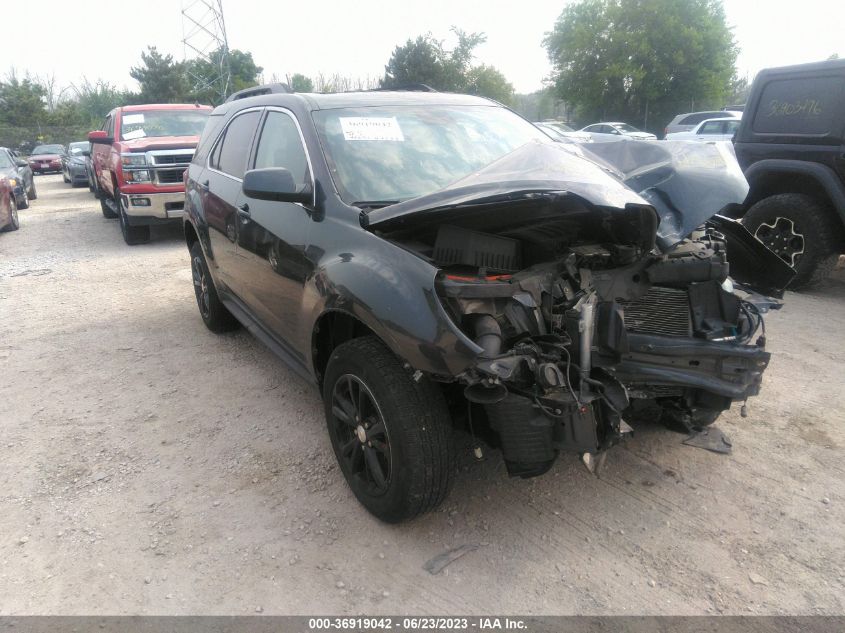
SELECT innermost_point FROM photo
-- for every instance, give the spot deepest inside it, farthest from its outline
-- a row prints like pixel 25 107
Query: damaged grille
pixel 662 311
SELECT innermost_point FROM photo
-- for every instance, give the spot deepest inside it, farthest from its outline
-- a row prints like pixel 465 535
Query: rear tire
pixel 392 435
pixel 801 231
pixel 214 314
pixel 132 235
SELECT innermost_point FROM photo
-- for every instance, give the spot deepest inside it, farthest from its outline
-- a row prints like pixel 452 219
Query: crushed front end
pixel 585 314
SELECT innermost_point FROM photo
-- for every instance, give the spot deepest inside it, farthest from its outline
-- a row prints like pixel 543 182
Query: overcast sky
pixel 356 37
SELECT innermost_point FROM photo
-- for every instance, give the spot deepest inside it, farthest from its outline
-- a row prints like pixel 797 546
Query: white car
pixel 604 130
pixel 618 129
pixel 721 129
pixel 561 132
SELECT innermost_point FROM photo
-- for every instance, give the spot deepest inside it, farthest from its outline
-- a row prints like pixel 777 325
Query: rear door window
pixel 232 151
pixel 807 106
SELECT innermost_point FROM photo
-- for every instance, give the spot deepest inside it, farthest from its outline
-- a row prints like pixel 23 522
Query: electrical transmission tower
pixel 204 38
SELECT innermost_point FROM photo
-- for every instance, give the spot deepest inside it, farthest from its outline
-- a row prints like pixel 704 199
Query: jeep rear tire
pixel 801 231
pixel 391 434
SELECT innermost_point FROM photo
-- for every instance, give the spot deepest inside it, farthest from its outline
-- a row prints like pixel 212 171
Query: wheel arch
pixel 333 328
pixel 772 177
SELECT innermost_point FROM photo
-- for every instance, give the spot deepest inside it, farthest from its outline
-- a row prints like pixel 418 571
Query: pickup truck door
pixel 221 193
pixel 100 156
pixel 273 236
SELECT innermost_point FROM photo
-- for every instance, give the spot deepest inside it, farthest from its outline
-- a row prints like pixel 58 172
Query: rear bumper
pixel 154 208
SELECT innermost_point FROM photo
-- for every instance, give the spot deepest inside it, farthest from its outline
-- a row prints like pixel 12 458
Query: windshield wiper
pixel 374 204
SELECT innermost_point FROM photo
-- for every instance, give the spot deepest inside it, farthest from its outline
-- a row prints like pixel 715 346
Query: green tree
pixel 425 60
pixel 243 73
pixel 300 83
pixel 162 79
pixel 642 60
pixel 21 101
pixel 486 81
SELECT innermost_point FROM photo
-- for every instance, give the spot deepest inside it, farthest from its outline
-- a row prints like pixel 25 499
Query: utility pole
pixel 204 39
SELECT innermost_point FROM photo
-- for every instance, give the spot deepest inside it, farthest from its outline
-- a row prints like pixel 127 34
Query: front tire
pixel 132 235
pixel 801 231
pixel 392 435
pixel 65 177
pixel 15 223
pixel 32 193
pixel 214 314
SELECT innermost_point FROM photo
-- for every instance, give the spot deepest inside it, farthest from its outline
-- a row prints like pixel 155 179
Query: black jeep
pixel 432 260
pixel 791 146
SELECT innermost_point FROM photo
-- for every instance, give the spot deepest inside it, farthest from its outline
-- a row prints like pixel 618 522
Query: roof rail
pixel 255 91
pixel 406 88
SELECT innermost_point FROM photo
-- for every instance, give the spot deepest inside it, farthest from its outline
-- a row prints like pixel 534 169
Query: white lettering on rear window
pixel 132 119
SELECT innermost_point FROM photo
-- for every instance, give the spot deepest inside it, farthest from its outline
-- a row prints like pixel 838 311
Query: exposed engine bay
pixel 589 309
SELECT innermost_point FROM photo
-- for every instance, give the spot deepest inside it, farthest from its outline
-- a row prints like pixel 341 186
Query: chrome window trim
pixel 221 135
pixel 301 140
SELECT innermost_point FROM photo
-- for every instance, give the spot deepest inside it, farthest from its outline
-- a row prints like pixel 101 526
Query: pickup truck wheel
pixel 132 235
pixel 214 314
pixel 801 231
pixel 108 212
pixel 392 435
pixel 15 224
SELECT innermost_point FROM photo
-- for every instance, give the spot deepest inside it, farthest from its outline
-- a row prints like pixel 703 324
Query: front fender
pixel 392 292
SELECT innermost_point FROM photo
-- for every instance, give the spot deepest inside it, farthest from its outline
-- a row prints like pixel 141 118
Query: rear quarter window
pixel 808 106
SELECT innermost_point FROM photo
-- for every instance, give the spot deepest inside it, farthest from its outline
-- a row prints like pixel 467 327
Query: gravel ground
pixel 148 466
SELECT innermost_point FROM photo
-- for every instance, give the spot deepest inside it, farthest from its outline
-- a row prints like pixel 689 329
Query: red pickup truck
pixel 138 158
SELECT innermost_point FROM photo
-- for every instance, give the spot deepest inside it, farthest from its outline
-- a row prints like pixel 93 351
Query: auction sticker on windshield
pixel 133 119
pixel 366 128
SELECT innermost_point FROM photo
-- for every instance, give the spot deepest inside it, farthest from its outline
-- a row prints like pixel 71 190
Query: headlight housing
pixel 133 160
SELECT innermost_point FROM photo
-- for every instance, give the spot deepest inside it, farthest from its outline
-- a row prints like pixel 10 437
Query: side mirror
pixel 21 163
pixel 101 137
pixel 275 183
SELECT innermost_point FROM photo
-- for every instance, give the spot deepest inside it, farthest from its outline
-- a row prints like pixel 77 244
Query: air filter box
pixel 455 246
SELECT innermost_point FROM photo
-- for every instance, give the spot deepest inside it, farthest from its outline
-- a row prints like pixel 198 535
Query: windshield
pixel 395 153
pixel 561 127
pixel 625 127
pixel 4 160
pixel 153 123
pixel 76 149
pixel 48 149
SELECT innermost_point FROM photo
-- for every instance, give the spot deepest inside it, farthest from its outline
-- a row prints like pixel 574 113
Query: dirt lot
pixel 149 466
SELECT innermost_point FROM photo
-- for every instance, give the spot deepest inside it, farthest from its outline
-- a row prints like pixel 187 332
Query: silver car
pixel 686 122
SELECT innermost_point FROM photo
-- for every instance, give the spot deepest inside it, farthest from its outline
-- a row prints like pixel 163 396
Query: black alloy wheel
pixel 214 314
pixel 391 433
pixel 362 435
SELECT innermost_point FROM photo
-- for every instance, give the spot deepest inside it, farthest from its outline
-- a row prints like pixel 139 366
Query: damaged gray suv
pixel 434 262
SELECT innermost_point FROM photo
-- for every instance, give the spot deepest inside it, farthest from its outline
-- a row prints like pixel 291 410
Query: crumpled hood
pixel 160 142
pixel 536 167
pixel 686 182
